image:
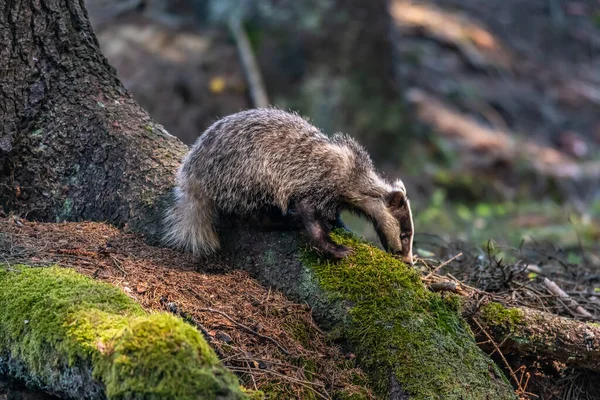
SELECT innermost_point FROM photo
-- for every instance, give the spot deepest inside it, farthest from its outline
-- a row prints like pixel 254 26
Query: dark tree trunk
pixel 74 144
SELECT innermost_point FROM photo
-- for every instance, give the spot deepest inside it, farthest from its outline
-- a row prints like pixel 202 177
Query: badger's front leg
pixel 318 232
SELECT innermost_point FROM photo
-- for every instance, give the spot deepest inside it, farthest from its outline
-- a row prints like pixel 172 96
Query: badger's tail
pixel 189 224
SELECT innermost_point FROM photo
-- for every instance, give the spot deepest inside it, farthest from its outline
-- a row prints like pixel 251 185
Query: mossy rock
pixel 396 326
pixel 80 338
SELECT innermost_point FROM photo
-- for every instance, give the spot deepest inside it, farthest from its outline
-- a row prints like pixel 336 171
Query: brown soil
pixel 163 279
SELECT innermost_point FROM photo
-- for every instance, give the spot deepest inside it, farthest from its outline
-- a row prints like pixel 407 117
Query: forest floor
pixel 253 327
pixel 250 326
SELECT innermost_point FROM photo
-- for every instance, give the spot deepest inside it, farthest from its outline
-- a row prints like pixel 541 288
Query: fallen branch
pixel 524 330
pixel 554 289
pixel 249 63
pixel 476 44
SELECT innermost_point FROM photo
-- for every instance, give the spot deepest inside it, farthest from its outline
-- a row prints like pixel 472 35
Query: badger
pixel 264 158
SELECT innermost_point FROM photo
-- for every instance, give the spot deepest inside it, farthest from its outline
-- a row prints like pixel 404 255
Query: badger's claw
pixel 339 252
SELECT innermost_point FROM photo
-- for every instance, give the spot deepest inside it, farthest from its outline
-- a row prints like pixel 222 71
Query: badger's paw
pixel 339 252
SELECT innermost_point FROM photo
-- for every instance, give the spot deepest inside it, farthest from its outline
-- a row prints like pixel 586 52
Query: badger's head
pixel 399 238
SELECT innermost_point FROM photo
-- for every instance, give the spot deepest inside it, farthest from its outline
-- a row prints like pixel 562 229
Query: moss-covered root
pixel 528 331
pixel 71 335
pixel 397 327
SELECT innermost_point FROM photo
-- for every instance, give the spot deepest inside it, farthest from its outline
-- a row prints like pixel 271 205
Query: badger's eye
pixel 404 235
pixel 375 196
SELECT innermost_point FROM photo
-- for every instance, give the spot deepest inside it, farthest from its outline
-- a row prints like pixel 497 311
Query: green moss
pixel 396 325
pixel 301 331
pixel 355 385
pixel 254 394
pixel 54 318
pixel 281 390
pixel 345 394
pixel 498 315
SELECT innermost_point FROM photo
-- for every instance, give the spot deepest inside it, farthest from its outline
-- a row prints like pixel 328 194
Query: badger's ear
pixel 399 185
pixel 396 199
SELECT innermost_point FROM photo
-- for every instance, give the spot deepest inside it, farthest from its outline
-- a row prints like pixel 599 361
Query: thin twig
pixel 301 382
pixel 251 376
pixel 244 327
pixel 442 265
pixel 118 265
pixel 497 349
pixel 174 308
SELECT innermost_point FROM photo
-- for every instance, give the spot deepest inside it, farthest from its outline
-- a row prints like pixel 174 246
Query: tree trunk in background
pixel 332 61
pixel 74 145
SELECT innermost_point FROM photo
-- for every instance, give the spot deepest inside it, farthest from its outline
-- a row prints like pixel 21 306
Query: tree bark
pixel 76 146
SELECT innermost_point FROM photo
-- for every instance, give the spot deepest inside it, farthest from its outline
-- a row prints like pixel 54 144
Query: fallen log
pixel 527 331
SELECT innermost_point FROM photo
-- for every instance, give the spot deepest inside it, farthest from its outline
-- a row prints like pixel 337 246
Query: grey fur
pixel 268 157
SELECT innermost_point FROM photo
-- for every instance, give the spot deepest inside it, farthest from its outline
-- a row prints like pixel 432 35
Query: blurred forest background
pixel 488 109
